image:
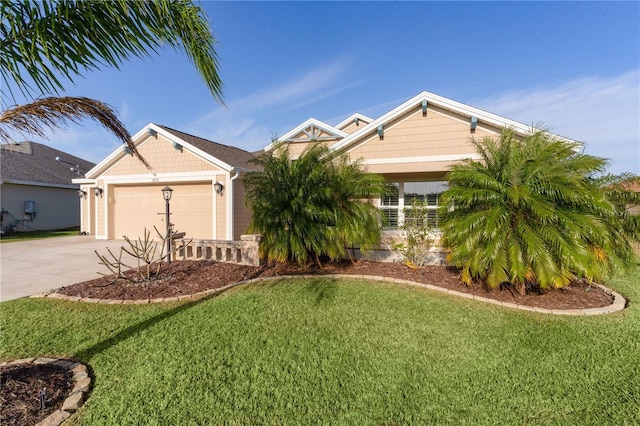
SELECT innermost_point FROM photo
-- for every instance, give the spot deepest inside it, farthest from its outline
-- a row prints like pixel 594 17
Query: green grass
pixel 325 351
pixel 35 235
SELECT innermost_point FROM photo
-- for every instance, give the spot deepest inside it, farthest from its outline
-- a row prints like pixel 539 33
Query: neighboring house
pixel 633 186
pixel 36 191
pixel 124 197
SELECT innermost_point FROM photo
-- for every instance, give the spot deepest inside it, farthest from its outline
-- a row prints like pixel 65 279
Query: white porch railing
pixel 243 252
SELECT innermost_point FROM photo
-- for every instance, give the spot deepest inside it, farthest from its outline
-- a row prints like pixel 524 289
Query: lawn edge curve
pixel 618 304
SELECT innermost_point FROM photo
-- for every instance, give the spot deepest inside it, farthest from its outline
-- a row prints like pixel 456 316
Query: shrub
pixel 313 205
pixel 528 213
pixel 418 234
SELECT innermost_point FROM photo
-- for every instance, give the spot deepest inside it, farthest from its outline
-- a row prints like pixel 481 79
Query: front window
pixel 390 206
pixel 397 205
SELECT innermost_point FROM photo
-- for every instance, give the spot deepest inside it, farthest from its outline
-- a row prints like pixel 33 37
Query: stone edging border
pixel 78 394
pixel 619 302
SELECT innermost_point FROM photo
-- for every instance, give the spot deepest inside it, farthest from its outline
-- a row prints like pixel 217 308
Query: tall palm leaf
pixel 52 112
pixel 528 214
pixel 47 39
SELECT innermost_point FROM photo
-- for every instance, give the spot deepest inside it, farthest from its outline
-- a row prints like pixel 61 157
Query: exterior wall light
pixel 82 193
pixel 218 187
pixel 97 190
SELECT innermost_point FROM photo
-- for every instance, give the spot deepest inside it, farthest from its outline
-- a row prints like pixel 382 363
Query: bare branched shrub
pixel 148 254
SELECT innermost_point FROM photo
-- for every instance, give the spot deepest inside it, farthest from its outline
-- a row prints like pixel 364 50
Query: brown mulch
pixel 20 387
pixel 188 277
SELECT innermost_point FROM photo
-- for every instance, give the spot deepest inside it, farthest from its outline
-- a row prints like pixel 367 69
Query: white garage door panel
pixel 140 207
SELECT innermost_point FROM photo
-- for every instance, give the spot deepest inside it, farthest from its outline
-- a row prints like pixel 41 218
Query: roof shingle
pixel 35 162
pixel 233 156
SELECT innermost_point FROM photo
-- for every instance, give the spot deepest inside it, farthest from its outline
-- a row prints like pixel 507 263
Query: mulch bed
pixel 189 277
pixel 20 388
pixel 20 385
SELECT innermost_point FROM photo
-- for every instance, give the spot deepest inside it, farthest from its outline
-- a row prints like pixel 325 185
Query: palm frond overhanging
pixel 529 214
pixel 53 112
pixel 41 41
pixel 45 42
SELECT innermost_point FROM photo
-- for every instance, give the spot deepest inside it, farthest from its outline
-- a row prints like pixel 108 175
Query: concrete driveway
pixel 35 266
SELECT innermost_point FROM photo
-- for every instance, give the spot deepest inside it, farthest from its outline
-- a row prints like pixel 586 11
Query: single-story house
pixel 36 189
pixel 412 146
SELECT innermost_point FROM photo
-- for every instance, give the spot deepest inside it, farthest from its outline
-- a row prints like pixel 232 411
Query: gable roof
pixel 311 128
pixel 235 157
pixel 441 102
pixel 226 157
pixel 345 140
pixel 31 162
pixel 357 116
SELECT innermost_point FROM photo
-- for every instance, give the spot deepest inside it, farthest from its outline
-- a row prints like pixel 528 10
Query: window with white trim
pixel 397 204
pixel 390 206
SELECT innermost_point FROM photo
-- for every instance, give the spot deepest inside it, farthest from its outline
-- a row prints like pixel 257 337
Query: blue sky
pixel 573 66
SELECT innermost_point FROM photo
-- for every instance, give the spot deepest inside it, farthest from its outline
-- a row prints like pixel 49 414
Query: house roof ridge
pixel 442 102
pixel 201 138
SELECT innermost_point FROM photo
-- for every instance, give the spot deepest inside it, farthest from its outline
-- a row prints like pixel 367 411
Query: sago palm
pixel 312 205
pixel 528 214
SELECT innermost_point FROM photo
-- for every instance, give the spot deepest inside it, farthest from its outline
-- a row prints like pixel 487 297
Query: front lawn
pixel 328 351
pixel 36 235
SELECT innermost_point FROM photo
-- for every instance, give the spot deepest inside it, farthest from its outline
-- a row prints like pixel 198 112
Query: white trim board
pixel 423 159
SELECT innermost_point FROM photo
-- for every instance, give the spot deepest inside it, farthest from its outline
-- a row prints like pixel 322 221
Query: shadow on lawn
pixel 87 354
pixel 323 288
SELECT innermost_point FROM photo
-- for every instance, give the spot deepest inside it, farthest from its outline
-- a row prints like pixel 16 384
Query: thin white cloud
pixel 604 113
pixel 238 125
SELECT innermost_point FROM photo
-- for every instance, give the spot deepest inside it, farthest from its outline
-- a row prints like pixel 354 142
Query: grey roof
pixel 35 162
pixel 233 156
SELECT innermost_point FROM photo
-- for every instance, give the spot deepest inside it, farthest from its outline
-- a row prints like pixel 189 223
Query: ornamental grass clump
pixel 530 214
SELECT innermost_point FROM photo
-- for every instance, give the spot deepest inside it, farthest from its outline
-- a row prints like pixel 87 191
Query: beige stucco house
pixel 412 146
pixel 123 196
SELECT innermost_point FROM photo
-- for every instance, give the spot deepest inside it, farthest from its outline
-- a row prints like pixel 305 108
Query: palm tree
pixel 311 206
pixel 43 43
pixel 529 214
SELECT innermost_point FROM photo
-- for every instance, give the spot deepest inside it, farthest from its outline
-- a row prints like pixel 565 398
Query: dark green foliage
pixel 313 205
pixel 528 214
pixel 48 39
pixel 623 191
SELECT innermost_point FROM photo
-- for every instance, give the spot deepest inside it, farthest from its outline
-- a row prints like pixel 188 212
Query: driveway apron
pixel 35 266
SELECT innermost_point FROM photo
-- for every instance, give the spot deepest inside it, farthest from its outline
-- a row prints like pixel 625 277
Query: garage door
pixel 140 207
